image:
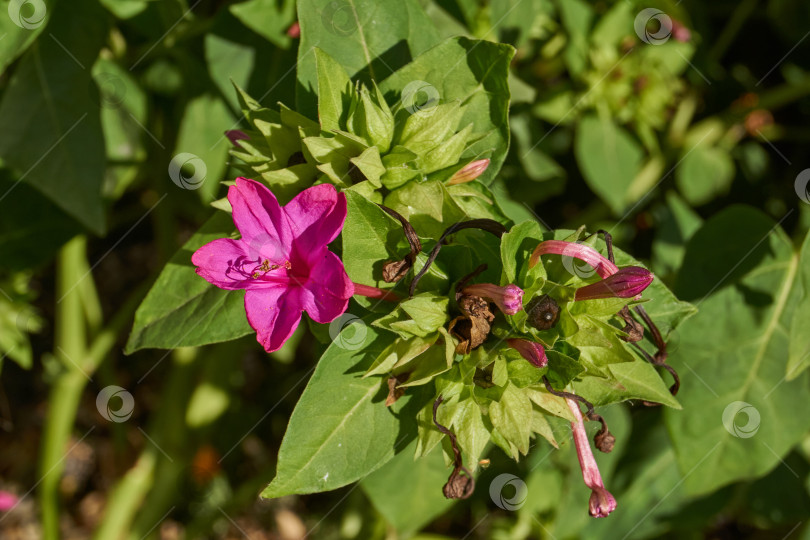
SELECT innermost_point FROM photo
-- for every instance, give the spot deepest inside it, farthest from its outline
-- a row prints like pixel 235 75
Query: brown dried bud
pixel 604 441
pixel 472 328
pixel 395 393
pixel 543 312
pixel 459 486
pixel 396 270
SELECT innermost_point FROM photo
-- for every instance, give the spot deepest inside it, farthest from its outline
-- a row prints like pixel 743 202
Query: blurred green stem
pixel 70 341
pixel 77 305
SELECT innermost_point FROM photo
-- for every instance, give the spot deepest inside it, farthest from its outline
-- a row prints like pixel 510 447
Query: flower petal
pixel 220 262
pixel 261 221
pixel 328 290
pixel 316 216
pixel 274 313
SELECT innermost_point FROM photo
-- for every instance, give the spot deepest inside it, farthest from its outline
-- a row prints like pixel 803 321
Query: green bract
pixel 361 143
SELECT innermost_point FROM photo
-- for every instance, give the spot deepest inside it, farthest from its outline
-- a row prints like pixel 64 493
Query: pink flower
pixel 469 172
pixel 626 283
pixel 8 501
pixel 282 259
pixel 531 351
pixel 602 502
pixel 578 251
pixel 509 298
pixel 294 31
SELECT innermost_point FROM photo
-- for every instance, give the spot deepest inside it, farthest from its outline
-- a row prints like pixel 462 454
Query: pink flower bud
pixel 469 172
pixel 294 31
pixel 626 283
pixel 602 502
pixel 509 298
pixel 235 135
pixel 578 251
pixel 531 351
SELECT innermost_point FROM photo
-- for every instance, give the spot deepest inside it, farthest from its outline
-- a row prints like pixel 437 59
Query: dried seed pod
pixel 543 312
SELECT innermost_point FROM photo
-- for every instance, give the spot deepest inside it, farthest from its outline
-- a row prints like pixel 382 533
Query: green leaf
pixel 408 493
pixel 333 91
pixel 340 430
pixel 370 39
pixel 511 415
pixel 418 316
pixel 369 238
pixel 201 135
pixel 427 205
pixel 50 131
pixel 740 414
pixel 704 173
pixel 799 349
pixel 576 17
pixel 609 159
pixel 21 27
pixel 268 18
pixel 474 73
pixel 182 309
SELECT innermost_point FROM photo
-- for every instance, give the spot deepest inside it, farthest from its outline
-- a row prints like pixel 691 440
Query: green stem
pixel 66 392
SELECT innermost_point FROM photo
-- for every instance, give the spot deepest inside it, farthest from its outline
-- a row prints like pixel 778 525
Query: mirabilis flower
pixel 509 299
pixel 282 259
pixel 602 502
pixel 531 351
pixel 626 283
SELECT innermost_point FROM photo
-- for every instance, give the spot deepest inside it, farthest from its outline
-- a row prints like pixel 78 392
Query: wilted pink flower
pixel 469 172
pixel 626 283
pixel 7 501
pixel 531 351
pixel 509 298
pixel 282 259
pixel 602 502
pixel 582 252
pixel 235 135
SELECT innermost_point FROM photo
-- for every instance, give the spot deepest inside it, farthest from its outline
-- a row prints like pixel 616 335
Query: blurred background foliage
pixel 654 141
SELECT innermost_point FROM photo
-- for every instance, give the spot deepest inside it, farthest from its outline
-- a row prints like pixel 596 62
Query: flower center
pixel 260 270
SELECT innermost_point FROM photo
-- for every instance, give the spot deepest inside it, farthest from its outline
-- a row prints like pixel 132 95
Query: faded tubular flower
pixel 531 351
pixel 626 283
pixel 602 502
pixel 602 265
pixel 236 135
pixel 469 172
pixel 282 259
pixel 509 299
